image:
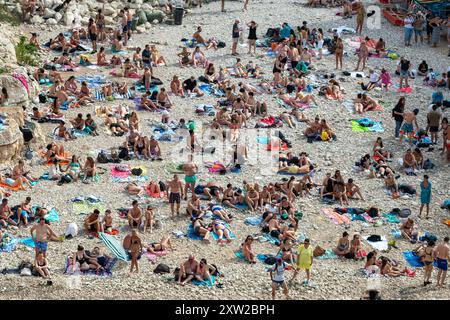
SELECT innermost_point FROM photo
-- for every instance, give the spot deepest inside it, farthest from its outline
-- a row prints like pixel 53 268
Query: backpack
pixel 221 44
pixel 123 153
pixel 161 268
pixel 374 238
pixel 136 171
pixel 102 157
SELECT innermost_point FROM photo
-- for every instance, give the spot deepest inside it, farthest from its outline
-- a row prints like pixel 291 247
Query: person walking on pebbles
pixel 425 195
pixel 305 256
pixel 277 277
pixel 235 35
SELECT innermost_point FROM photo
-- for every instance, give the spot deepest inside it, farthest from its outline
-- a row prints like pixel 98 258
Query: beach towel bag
pixel 374 238
pixel 102 157
pixel 404 213
pixel 318 251
pixel 270 260
pixel 161 268
pixel 123 153
pixel 324 136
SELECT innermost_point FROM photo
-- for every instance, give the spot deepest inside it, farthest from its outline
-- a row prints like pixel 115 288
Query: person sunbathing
pixel 89 169
pixel 6 215
pixel 187 270
pixel 252 198
pixel 407 230
pixel 176 87
pixel 383 169
pixel 409 161
pixel 274 228
pixel 351 189
pixel 220 212
pixel 101 58
pixel 63 132
pixel 116 61
pixel 41 265
pixel 137 58
pixel 368 103
pixel 65 60
pixel 163 99
pixel 210 73
pixel 107 222
pixel 149 219
pixel 204 271
pixel 247 250
pixel 221 231
pixel 184 57
pixel 164 245
pixel 157 58
pixel 198 57
pixel 129 68
pixel 92 223
pixel 116 126
pixel 83 262
pixel 388 270
pixel 358 104
pixel 343 246
pixel 379 152
pixel 286 251
pixel 201 230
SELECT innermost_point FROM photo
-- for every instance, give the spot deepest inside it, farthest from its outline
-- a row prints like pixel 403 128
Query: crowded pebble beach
pixel 227 157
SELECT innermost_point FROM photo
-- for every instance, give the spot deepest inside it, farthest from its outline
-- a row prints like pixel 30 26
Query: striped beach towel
pixel 114 246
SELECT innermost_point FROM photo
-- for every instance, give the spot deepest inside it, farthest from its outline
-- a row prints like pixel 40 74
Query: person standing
pixel 409 28
pixel 425 195
pixel 175 190
pixel 339 52
pixel 428 260
pixel 397 114
pixel 305 256
pixel 441 254
pixel 245 5
pixel 360 15
pixel 405 65
pixel 277 277
pixel 418 25
pixel 433 120
pixel 252 36
pixel 235 35
pixel 223 5
pixel 92 29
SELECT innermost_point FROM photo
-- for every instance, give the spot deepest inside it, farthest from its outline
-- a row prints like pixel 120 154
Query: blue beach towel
pixel 414 260
pixel 253 221
pixel 216 237
pixel 204 283
pixel 271 239
pixel 29 242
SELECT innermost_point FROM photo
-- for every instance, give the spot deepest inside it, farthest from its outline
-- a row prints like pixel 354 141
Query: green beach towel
pixel 356 127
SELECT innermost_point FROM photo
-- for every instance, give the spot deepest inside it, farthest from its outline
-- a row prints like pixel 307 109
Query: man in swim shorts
pixel 190 169
pixel 41 237
pixel 175 189
pixel 442 255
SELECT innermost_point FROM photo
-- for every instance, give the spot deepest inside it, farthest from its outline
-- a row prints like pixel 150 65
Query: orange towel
pixel 17 188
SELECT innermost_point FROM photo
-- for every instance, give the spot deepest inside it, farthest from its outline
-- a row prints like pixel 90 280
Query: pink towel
pixel 119 174
pixel 152 257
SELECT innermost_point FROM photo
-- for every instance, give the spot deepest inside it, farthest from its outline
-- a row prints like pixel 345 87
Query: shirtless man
pixel 107 222
pixel 294 56
pixel 351 189
pixel 197 36
pixel 175 190
pixel 134 215
pixel 442 255
pixel 92 222
pixel 154 149
pixel 187 270
pixel 193 209
pixel 43 232
pixel 409 161
pixel 190 170
pixel 410 118
pixel 78 122
pixel 24 211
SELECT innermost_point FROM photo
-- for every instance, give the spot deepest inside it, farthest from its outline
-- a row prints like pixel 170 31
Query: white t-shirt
pixel 409 22
pixel 374 77
pixel 268 207
pixel 278 271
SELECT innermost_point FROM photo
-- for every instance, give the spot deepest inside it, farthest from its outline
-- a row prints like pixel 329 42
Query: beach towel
pixel 413 259
pixel 210 91
pixel 335 217
pixel 161 194
pixel 113 244
pixel 51 216
pixel 238 254
pixel 130 179
pixel 95 81
pixel 120 174
pixel 191 234
pixel 263 140
pixel 270 239
pixel 152 257
pixel 8 243
pixel 4 185
pixel 285 173
pixel 390 217
pixel 379 245
pixel 262 257
pixel 253 221
pixel 241 206
pixel 329 254
pixel 85 207
pixel 204 283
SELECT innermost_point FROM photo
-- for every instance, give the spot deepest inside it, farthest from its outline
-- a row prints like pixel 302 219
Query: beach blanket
pixel 205 109
pixel 262 257
pixel 210 91
pixel 299 105
pixel 130 179
pixel 285 173
pixel 152 257
pixel 390 217
pixel 107 272
pixel 335 217
pixel 204 283
pixel 95 81
pixel 238 254
pixel 253 220
pixel 267 237
pixel 113 244
pixel 191 234
pixel 374 126
pixel 379 245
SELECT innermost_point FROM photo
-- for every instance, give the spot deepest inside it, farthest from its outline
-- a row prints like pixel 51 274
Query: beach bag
pixel 395 211
pixel 406 189
pixel 428 165
pixel 122 168
pixel 318 251
pixel 324 136
pixel 136 171
pixel 374 238
pixel 42 98
pixel 350 255
pixel 123 153
pixel 221 44
pixel 161 268
pixel 102 157
pixel 373 212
